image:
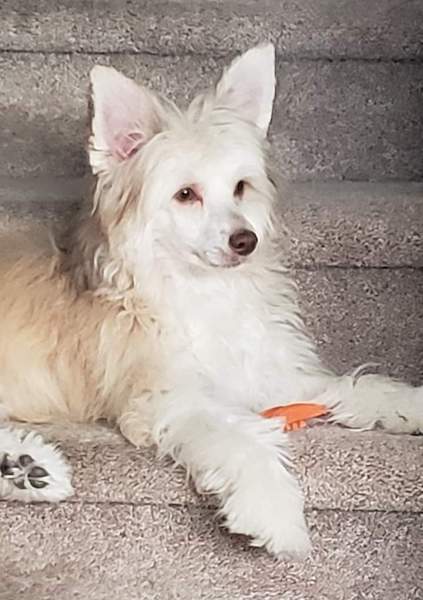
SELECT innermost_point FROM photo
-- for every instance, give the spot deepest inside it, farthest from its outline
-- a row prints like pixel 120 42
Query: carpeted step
pixel 148 552
pixel 329 224
pixel 339 469
pixel 136 529
pixel 332 120
pixel 357 315
pixel 383 30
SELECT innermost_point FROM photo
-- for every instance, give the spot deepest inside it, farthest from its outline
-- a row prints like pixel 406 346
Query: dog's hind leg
pixel 358 400
pixel 363 401
pixel 135 421
pixel 372 401
pixel 32 470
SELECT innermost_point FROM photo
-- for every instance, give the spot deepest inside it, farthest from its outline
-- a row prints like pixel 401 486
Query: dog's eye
pixel 187 195
pixel 239 188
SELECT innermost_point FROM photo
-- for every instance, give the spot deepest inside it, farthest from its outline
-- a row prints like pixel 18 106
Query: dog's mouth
pixel 221 259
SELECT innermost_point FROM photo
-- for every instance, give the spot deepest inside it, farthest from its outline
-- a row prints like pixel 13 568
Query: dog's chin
pixel 221 260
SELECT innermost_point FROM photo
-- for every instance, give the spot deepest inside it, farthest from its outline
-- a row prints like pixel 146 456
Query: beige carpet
pixel 135 530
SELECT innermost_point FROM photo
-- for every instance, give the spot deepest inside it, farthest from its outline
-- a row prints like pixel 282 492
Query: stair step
pixel 359 224
pixel 366 315
pixel 339 469
pixel 381 30
pixel 134 527
pixel 330 224
pixel 357 315
pixel 332 120
pixel 146 552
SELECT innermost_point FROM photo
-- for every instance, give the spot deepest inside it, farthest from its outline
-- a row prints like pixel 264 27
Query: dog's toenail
pixel 38 484
pixel 7 466
pixel 19 483
pixel 37 472
pixel 24 460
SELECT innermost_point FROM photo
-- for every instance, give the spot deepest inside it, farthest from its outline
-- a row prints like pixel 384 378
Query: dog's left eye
pixel 187 195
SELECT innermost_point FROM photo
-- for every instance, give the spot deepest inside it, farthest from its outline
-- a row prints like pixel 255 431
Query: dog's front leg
pixel 241 458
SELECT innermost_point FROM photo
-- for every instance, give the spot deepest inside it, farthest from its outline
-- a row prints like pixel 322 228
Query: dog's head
pixel 194 183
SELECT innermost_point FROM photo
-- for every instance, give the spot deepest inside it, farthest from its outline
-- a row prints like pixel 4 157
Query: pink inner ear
pixel 126 144
pixel 124 114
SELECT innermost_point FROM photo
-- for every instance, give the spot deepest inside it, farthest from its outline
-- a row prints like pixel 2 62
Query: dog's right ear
pixel 125 117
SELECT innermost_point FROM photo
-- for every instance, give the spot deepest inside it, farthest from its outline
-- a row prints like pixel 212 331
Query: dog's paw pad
pixel 37 472
pixel 23 472
pixel 37 484
pixel 20 483
pixel 8 467
pixel 25 460
pixel 35 477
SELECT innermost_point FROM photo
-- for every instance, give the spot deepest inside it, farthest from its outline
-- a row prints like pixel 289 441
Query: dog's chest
pixel 222 337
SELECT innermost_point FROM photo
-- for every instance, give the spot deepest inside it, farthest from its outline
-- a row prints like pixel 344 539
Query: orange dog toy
pixel 295 415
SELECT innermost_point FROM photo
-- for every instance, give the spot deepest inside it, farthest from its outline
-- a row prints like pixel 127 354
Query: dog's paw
pixel 270 523
pixel 31 470
pixel 277 533
pixel 135 423
pixel 24 473
pixel 137 433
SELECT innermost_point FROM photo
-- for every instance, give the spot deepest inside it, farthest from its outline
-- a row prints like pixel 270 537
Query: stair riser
pixel 366 315
pixel 331 120
pixel 352 224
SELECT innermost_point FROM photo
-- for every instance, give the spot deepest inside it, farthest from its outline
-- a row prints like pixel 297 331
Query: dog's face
pixel 201 194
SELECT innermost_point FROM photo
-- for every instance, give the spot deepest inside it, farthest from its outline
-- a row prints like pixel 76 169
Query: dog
pixel 166 311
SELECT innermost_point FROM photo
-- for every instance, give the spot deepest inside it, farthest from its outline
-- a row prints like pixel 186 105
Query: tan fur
pixel 67 352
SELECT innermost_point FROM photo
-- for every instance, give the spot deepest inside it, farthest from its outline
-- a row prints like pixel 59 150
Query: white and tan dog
pixel 166 311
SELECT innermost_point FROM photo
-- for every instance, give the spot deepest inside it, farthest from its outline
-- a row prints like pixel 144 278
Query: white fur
pixel 234 341
pixel 248 85
pixel 224 339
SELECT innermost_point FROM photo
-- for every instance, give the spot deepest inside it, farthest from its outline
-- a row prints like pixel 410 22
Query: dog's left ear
pixel 248 85
pixel 125 117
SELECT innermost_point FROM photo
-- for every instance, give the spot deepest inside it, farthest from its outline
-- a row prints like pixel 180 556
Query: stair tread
pixel 156 553
pixel 338 468
pixel 323 28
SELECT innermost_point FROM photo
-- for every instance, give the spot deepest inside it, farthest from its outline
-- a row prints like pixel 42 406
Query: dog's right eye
pixel 239 188
pixel 187 195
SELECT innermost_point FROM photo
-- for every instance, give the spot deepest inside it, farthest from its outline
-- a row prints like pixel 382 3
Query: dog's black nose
pixel 243 242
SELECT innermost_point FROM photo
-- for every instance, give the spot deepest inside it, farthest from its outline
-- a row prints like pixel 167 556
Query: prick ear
pixel 125 117
pixel 248 85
